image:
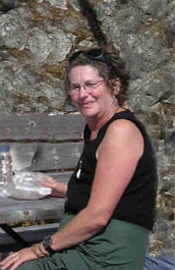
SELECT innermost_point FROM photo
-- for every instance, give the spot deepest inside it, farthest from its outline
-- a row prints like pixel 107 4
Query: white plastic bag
pixel 26 185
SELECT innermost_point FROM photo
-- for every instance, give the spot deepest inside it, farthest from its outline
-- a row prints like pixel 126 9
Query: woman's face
pixel 89 92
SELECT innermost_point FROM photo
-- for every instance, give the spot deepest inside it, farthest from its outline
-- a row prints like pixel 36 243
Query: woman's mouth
pixel 86 104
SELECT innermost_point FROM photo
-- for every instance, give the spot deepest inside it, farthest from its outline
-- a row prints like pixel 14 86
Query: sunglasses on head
pixel 93 54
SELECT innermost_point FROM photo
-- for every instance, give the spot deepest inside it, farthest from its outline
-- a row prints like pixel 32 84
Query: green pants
pixel 119 246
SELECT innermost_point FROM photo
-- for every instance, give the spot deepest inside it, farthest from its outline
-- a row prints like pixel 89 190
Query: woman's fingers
pixel 14 260
pixel 51 183
pixel 10 260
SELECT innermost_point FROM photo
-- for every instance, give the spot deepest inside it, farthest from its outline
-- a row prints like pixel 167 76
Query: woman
pixel 111 194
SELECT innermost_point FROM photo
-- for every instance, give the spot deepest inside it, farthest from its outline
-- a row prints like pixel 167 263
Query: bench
pixel 44 143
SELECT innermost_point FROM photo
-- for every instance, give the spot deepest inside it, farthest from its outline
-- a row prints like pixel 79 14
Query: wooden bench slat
pixel 27 210
pixel 51 156
pixel 45 156
pixel 41 127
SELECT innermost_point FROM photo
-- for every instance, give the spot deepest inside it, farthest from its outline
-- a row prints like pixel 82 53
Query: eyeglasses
pixel 87 86
pixel 93 54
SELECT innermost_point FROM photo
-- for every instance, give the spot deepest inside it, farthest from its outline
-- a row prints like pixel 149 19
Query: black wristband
pixel 47 242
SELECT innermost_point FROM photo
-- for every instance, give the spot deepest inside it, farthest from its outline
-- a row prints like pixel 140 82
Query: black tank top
pixel 137 204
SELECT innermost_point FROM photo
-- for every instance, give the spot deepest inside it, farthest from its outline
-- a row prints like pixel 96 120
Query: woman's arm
pixel 118 156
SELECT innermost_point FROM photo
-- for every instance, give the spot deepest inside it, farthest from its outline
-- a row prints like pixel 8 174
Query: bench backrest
pixel 41 142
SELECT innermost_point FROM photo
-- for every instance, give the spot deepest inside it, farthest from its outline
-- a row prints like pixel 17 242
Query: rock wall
pixel 36 38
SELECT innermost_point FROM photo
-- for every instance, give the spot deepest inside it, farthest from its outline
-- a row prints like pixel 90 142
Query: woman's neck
pixel 95 124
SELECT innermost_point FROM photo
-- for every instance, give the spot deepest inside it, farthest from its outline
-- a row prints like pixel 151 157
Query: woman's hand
pixel 58 189
pixel 15 259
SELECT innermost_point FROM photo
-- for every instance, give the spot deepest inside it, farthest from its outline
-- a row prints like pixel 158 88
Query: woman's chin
pixel 88 112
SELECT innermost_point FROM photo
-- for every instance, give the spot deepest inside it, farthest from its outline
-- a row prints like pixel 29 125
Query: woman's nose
pixel 82 92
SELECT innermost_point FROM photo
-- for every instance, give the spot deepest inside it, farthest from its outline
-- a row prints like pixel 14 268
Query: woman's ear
pixel 116 86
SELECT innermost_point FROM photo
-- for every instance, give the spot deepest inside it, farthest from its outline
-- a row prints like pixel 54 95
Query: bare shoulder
pixel 123 127
pixel 123 136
